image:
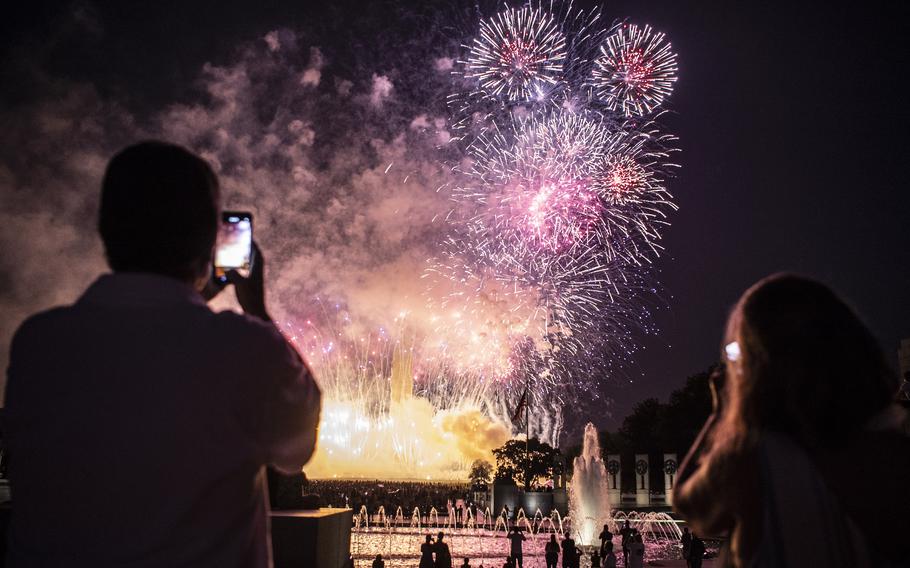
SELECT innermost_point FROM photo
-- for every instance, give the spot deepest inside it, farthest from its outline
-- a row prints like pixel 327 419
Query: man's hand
pixel 212 288
pixel 251 290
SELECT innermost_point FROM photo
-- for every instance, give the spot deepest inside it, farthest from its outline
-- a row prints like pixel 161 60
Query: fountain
pixel 588 502
pixel 482 537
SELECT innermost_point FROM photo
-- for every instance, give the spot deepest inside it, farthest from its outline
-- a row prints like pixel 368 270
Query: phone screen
pixel 234 245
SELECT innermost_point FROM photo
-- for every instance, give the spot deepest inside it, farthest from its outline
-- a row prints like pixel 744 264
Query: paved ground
pixel 707 563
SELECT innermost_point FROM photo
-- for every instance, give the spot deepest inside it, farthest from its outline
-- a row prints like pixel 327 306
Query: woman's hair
pixel 807 366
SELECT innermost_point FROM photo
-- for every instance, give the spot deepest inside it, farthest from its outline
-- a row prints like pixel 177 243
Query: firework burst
pixel 518 54
pixel 570 184
pixel 635 71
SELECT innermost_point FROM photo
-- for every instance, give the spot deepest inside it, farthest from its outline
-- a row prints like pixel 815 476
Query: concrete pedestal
pixel 505 495
pixel 561 501
pixel 319 538
pixel 532 501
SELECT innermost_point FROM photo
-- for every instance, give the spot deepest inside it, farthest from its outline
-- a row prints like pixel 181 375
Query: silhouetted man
pixel 139 421
pixel 605 537
pixel 443 556
pixel 568 552
pixel 686 541
pixel 696 552
pixel 516 537
pixel 626 532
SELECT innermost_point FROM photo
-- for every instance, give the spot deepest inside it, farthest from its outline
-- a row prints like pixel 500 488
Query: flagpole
pixel 527 429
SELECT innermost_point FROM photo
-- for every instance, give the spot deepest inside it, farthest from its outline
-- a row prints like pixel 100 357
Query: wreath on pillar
pixel 670 467
pixel 612 467
pixel 641 467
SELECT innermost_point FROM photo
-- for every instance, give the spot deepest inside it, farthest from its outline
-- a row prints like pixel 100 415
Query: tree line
pixel 652 428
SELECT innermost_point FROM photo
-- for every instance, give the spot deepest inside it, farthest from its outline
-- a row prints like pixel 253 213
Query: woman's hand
pixel 717 382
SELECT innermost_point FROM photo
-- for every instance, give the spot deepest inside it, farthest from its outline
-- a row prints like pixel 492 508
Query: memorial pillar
pixel 670 467
pixel 642 483
pixel 614 480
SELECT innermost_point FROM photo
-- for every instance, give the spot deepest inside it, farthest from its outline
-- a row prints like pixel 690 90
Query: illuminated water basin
pixel 401 547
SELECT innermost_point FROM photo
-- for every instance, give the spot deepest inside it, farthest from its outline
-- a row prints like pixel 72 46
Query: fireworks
pixel 569 185
pixel 562 197
pixel 635 72
pixel 536 188
pixel 394 406
pixel 541 283
pixel 518 54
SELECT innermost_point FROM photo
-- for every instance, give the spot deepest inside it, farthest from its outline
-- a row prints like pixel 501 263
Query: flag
pixel 522 405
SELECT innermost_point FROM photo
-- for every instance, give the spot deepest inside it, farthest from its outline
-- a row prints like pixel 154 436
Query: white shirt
pixel 138 423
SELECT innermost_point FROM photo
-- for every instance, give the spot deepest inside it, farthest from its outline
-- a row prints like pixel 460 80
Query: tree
pixel 481 471
pixel 686 413
pixel 539 459
pixel 644 425
pixel 654 427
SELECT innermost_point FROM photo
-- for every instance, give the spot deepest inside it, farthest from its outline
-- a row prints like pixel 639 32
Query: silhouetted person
pixel 609 558
pixel 568 552
pixel 595 559
pixel 516 537
pixel 426 553
pixel 378 562
pixel 443 556
pixel 686 541
pixel 605 537
pixel 626 533
pixel 551 552
pixel 804 408
pixel 162 413
pixel 636 551
pixel 466 564
pixel 696 552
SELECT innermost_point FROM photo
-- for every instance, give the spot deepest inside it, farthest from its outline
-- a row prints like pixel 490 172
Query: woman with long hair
pixel 804 460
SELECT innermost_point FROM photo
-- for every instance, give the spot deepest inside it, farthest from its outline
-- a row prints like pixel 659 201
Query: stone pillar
pixel 614 480
pixel 559 464
pixel 670 467
pixel 642 483
pixel 505 495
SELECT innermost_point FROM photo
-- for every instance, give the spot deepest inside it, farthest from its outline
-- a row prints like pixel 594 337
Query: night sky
pixel 792 121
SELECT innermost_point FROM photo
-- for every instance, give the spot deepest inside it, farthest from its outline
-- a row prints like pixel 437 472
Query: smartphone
pixel 234 245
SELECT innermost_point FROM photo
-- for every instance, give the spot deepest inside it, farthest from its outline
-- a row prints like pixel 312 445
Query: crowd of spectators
pixel 391 494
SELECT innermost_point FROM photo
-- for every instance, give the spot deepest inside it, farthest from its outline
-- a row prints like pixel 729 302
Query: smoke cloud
pixel 344 194
pixel 342 178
